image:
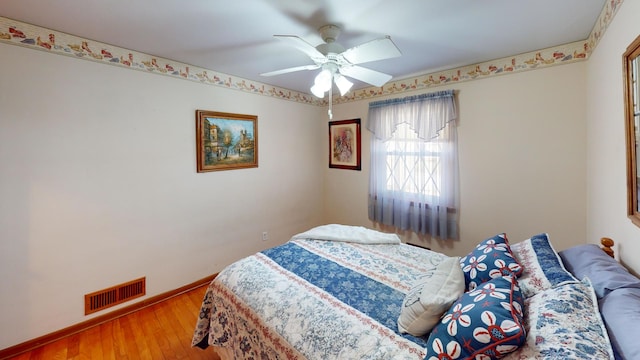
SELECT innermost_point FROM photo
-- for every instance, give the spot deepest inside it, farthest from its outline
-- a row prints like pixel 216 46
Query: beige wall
pixel 98 185
pixel 606 151
pixel 522 163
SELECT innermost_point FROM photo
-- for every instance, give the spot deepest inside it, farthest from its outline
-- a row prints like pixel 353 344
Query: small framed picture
pixel 226 141
pixel 344 144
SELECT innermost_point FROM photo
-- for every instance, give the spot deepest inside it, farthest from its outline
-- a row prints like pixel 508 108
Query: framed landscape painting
pixel 344 144
pixel 226 141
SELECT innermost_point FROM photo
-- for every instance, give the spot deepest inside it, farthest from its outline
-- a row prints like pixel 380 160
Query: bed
pixel 348 292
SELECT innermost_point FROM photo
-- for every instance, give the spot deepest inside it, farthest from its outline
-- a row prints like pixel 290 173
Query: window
pixel 412 164
pixel 413 181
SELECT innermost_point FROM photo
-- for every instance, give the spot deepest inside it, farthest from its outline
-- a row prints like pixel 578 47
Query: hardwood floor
pixel 160 331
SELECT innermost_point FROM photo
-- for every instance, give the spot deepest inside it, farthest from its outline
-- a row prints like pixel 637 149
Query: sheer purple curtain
pixel 414 164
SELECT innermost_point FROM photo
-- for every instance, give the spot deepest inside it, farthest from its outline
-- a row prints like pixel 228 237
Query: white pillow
pixel 430 297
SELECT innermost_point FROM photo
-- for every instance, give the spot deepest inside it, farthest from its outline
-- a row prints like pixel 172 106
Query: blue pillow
pixel 490 259
pixel 604 272
pixel 487 321
pixel 621 314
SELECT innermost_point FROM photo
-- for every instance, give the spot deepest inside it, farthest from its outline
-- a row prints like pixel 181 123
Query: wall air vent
pixel 114 295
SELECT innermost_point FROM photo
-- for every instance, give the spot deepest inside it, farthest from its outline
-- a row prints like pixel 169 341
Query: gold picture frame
pixel 344 144
pixel 226 141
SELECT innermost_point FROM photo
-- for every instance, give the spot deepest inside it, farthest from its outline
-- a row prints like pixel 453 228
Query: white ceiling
pixel 235 37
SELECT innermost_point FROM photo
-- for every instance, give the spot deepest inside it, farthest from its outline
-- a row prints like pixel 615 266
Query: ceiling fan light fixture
pixel 323 79
pixel 343 84
pixel 317 91
pixel 322 83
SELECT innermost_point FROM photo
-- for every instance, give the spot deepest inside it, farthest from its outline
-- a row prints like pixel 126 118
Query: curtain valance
pixel 426 114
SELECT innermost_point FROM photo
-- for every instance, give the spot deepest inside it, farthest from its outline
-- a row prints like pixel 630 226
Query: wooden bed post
pixel 607 245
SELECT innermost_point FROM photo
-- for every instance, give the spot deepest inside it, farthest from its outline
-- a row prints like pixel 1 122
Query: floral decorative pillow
pixel 486 323
pixel 490 259
pixel 542 264
pixel 563 322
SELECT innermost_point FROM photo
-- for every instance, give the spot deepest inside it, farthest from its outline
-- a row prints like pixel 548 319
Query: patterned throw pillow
pixel 542 264
pixel 430 297
pixel 490 259
pixel 563 322
pixel 486 323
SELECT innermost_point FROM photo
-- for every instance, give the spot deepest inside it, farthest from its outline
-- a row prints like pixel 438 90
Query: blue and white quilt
pixel 315 299
pixel 324 296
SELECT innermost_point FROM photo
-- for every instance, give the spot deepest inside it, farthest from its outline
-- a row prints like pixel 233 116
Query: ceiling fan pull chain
pixel 330 102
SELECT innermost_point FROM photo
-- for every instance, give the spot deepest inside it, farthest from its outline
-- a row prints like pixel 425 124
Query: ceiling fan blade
pixel 303 46
pixel 293 69
pixel 369 76
pixel 379 49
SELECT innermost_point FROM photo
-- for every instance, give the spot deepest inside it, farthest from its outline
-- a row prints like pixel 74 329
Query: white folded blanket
pixel 348 233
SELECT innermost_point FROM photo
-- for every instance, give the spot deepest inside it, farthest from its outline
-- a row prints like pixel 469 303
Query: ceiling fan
pixel 337 63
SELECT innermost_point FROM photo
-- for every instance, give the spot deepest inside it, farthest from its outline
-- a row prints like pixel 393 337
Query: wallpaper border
pixel 39 38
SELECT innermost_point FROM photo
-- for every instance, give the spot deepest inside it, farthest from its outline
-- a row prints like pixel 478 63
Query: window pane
pixel 412 165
